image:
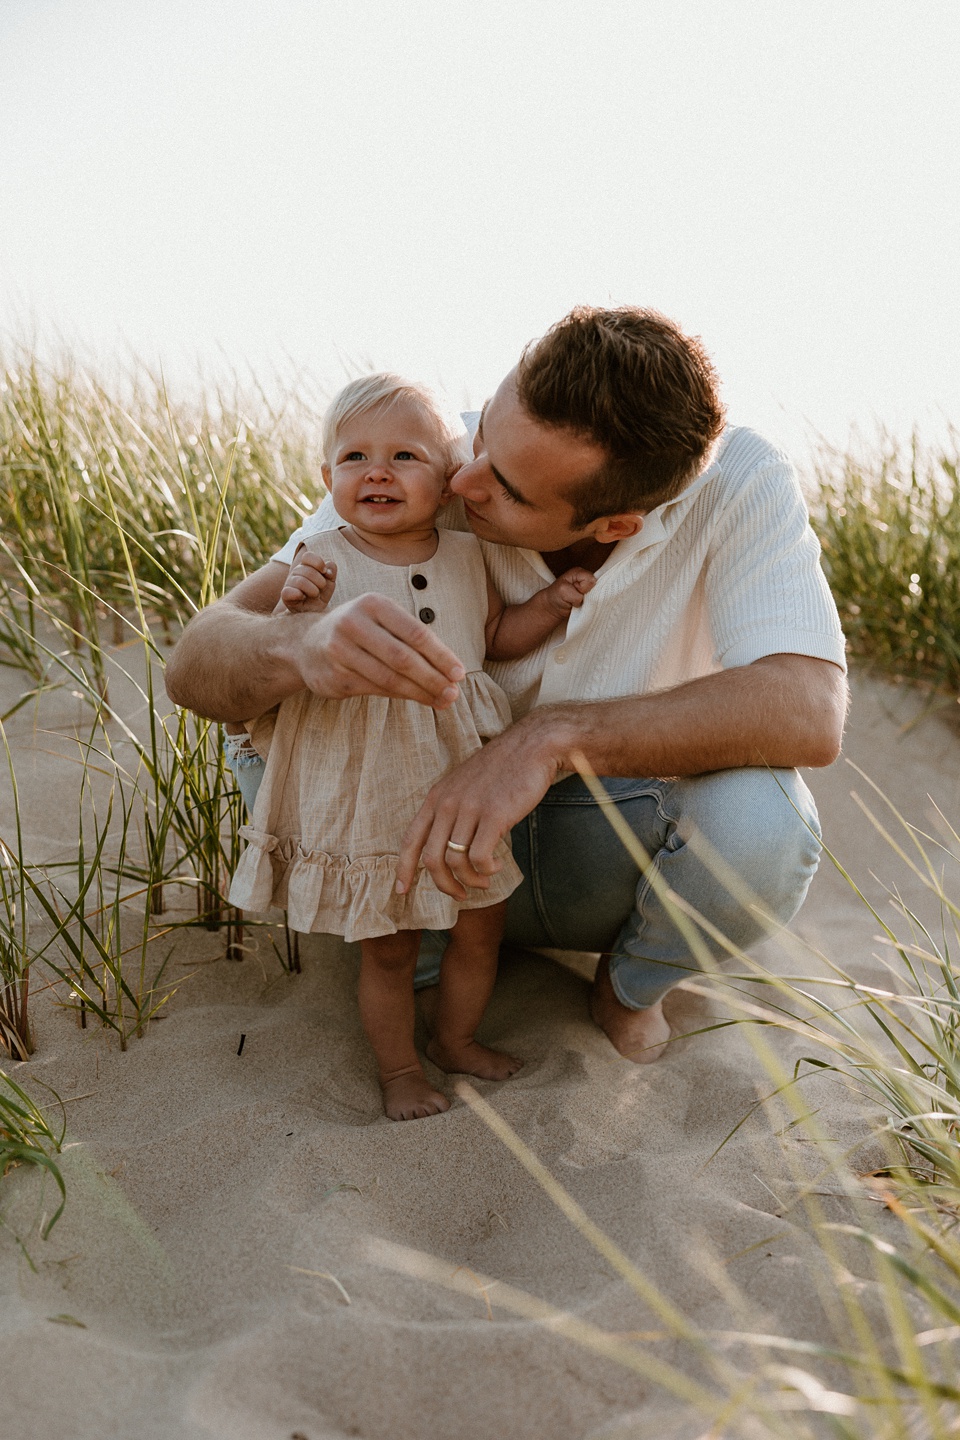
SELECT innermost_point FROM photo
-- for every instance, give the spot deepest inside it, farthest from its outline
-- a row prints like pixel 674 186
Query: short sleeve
pixel 766 592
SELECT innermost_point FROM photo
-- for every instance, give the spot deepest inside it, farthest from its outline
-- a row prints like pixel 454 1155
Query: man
pixel 706 664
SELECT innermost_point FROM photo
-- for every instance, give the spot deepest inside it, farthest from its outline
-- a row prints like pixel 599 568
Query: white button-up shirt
pixel 723 575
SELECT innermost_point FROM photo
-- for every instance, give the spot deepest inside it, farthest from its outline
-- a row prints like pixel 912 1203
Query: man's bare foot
pixel 639 1035
pixel 410 1096
pixel 470 1058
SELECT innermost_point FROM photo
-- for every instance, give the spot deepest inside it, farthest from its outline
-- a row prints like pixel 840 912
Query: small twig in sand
pixel 322 1275
pixel 493 1215
pixel 767 1240
pixel 781 1203
pixel 465 1270
pixel 335 1190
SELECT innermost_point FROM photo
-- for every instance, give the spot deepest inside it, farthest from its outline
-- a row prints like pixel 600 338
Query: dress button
pixel 560 656
pixel 427 615
pixel 419 582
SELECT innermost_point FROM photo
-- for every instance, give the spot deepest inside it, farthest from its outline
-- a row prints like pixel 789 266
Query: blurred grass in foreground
pixel 889 524
pixel 886 1361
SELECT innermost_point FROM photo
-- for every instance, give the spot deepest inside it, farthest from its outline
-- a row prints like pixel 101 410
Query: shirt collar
pixel 658 524
pixel 661 523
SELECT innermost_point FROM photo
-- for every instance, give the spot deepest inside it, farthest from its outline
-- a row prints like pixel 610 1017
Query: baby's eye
pixel 354 455
pixel 404 455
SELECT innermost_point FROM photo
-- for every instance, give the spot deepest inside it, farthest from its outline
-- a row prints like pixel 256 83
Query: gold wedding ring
pixel 460 849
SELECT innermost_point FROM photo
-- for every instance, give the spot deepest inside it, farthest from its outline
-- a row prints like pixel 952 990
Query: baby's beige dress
pixel 344 778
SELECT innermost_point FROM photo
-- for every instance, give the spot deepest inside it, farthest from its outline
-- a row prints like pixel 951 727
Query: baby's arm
pixel 309 586
pixel 515 630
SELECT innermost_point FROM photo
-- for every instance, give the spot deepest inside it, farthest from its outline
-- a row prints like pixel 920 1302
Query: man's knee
pixel 756 830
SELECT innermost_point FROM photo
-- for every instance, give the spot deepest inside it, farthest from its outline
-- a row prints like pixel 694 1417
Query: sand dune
pixel 173 1299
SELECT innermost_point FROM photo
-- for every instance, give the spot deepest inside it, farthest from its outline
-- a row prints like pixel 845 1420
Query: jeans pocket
pixel 574 791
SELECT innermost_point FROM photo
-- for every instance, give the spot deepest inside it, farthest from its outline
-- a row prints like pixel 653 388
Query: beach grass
pixel 16 955
pixel 27 1138
pixel 124 511
pixel 889 524
pixel 96 479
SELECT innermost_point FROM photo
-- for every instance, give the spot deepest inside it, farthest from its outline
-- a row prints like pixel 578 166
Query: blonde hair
pixel 383 388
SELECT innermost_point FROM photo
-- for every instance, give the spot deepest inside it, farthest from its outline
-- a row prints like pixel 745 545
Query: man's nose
pixel 471 482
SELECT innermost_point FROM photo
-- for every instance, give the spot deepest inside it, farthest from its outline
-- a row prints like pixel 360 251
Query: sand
pixel 223 1207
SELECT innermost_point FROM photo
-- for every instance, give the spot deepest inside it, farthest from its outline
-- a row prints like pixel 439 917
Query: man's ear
pixel 611 528
pixel 326 474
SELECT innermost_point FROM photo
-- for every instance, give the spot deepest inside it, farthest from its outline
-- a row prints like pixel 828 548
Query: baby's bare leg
pixel 385 993
pixel 467 975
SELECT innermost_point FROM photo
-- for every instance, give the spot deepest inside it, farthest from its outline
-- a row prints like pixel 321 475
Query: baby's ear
pixel 326 474
pixel 446 494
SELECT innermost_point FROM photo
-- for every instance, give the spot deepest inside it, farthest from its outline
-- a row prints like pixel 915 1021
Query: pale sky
pixel 426 185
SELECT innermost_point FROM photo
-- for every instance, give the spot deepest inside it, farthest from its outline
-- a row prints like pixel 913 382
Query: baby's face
pixel 388 473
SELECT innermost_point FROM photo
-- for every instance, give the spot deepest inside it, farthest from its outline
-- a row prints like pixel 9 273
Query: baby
pixel 344 778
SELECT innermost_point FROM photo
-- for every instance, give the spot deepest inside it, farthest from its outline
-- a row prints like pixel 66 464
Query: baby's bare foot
pixel 410 1096
pixel 470 1058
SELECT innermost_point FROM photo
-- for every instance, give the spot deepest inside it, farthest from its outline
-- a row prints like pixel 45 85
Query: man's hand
pixel 782 710
pixel 477 805
pixel 238 658
pixel 371 646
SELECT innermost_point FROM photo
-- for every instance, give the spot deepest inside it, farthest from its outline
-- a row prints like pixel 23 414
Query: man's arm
pixel 236 659
pixel 781 711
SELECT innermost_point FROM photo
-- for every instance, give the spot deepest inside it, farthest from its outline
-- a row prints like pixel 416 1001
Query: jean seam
pixel 648 790
pixel 643 890
pixel 539 902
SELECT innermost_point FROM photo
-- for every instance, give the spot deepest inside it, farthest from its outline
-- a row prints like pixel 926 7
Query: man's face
pixel 514 488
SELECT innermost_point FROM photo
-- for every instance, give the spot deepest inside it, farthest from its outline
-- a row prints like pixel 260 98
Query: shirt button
pixel 560 656
pixel 419 582
pixel 427 615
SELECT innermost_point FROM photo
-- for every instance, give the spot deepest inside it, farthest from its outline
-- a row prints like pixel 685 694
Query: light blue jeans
pixel 247 767
pixel 583 891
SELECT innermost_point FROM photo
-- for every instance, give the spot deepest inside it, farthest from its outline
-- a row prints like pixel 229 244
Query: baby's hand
pixel 309 586
pixel 567 591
